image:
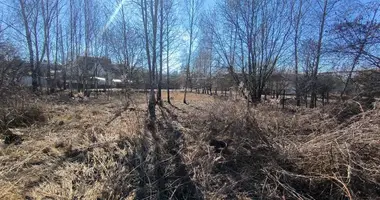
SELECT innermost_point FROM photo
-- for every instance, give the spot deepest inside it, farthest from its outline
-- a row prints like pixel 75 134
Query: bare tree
pixel 313 100
pixel 131 46
pixel 48 8
pixel 170 22
pixel 257 34
pixel 32 12
pixel 87 38
pixel 28 36
pixel 167 56
pixel 151 53
pixel 298 18
pixel 193 12
pixel 159 99
pixel 357 37
pixel 72 28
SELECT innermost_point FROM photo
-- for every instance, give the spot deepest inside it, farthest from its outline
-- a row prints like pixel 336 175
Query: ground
pixel 105 148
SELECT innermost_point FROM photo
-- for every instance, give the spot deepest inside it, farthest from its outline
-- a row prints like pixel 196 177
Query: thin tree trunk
pixel 283 100
pixel 63 60
pixel 167 60
pixel 159 98
pixel 56 50
pixel 296 38
pixel 154 46
pixel 71 46
pixel 328 97
pixel 323 99
pixel 151 101
pixel 354 63
pixel 46 21
pixel 192 13
pixel 86 43
pixel 313 100
pixel 30 45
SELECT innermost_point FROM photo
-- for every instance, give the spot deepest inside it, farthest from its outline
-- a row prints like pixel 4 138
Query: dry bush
pixel 345 161
pixel 18 110
pixel 295 153
pixel 331 160
pixel 22 117
pixel 235 172
pixel 343 112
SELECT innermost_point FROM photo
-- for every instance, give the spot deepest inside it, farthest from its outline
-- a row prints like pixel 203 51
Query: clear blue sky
pixel 209 3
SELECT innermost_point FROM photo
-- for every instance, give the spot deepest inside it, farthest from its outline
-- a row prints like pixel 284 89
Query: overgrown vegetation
pixel 265 99
pixel 97 149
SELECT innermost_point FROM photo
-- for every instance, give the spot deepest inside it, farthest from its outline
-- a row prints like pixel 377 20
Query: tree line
pixel 247 40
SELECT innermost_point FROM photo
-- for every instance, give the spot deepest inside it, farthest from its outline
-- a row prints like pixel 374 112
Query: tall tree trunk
pixel 296 39
pixel 86 43
pixel 154 46
pixel 167 60
pixel 126 53
pixel 38 59
pixel 159 99
pixel 71 46
pixel 56 47
pixel 313 99
pixel 46 15
pixel 151 101
pixel 28 36
pixel 63 59
pixel 191 27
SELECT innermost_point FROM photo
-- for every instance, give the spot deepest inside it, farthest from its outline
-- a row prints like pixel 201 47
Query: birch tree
pixel 149 14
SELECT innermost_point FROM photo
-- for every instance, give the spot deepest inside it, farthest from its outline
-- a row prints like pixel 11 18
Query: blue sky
pixel 209 3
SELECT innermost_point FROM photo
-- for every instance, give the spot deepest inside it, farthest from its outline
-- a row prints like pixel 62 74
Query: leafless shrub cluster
pixel 271 154
pixel 18 110
pixel 326 157
pixel 234 171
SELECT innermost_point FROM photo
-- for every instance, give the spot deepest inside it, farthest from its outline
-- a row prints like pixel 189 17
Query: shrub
pixel 21 117
pixel 347 110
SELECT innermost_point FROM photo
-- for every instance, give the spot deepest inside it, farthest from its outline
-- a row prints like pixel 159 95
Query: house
pixel 56 71
pixel 99 71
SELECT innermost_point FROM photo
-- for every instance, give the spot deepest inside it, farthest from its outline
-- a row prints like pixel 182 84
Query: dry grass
pixel 73 156
pixel 272 153
pixel 177 97
pixel 326 156
pixel 281 153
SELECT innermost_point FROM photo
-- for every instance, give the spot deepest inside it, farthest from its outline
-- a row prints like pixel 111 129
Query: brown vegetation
pixel 270 153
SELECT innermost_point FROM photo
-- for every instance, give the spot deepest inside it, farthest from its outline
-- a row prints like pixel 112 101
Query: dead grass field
pixel 104 148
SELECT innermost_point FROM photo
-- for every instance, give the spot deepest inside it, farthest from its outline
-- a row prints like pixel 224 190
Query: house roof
pixel 99 78
pixel 117 80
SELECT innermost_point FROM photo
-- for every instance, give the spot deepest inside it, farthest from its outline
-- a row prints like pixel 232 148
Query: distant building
pixel 56 70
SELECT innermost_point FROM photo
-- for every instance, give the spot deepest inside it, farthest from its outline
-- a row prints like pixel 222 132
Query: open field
pixel 104 148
